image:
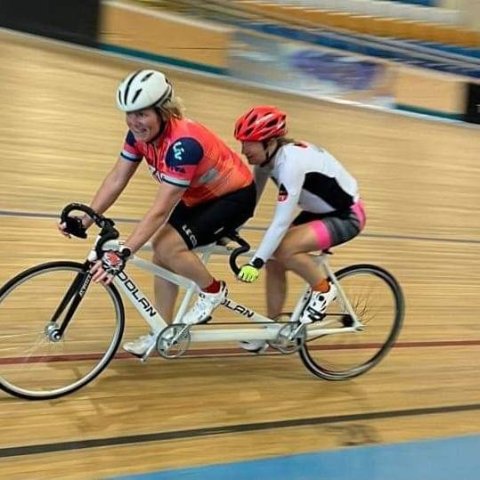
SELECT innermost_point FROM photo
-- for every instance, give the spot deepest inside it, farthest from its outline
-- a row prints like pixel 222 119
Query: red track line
pixel 217 352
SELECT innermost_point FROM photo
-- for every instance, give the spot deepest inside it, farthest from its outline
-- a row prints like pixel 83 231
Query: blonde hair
pixel 172 108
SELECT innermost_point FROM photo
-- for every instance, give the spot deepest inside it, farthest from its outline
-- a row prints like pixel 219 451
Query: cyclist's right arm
pixel 110 189
pixel 114 183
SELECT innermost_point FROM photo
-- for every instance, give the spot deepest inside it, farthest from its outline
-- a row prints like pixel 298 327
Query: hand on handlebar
pixel 72 226
pixel 248 273
pixel 111 264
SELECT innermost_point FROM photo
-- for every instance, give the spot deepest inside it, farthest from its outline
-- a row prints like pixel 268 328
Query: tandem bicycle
pixel 59 330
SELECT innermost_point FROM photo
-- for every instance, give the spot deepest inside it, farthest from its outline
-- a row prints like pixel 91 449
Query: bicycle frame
pixel 378 297
pixel 267 328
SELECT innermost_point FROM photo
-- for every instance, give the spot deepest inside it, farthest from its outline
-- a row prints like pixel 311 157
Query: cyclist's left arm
pixel 290 183
pixel 165 201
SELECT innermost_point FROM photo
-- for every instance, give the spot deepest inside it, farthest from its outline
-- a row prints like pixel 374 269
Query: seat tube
pixel 184 304
pixel 331 276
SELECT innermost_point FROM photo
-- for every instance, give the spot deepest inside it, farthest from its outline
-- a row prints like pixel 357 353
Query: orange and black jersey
pixel 190 156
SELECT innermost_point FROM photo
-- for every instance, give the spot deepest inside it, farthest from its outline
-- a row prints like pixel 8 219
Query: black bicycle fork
pixel 72 298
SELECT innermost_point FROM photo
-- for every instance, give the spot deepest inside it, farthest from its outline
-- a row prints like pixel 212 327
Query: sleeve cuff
pixel 257 263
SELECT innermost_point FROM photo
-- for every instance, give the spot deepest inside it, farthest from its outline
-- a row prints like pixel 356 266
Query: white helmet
pixel 143 89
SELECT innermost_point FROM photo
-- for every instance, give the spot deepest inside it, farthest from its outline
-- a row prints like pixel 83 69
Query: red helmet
pixel 261 123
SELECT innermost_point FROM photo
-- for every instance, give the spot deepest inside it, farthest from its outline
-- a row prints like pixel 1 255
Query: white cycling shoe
pixel 202 309
pixel 204 306
pixel 139 346
pixel 316 307
pixel 254 346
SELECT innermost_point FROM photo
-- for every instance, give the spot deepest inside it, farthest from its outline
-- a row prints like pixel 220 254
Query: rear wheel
pixel 377 299
pixel 38 360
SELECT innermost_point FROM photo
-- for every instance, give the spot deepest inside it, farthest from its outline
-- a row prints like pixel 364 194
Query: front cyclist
pixel 309 178
pixel 204 190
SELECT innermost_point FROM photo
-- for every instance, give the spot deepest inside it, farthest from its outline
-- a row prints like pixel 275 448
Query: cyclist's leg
pixel 312 232
pixel 293 254
pixel 202 225
pixel 167 240
pixel 293 251
pixel 171 251
pixel 309 234
pixel 165 292
pixel 276 288
pixel 176 255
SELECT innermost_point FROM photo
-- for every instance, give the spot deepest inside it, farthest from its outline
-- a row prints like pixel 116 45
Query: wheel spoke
pixel 377 301
pixel 34 363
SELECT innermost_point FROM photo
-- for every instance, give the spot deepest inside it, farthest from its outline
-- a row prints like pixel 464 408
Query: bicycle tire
pixel 330 344
pixel 28 376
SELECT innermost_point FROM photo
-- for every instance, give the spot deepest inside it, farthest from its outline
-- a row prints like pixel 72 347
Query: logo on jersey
pixel 178 151
pixel 178 155
pixel 183 153
pixel 282 193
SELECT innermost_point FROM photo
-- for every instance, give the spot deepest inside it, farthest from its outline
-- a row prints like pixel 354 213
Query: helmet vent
pixel 137 93
pixel 127 87
pixel 146 77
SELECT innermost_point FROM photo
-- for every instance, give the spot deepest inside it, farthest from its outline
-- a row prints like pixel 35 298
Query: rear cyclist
pixel 309 178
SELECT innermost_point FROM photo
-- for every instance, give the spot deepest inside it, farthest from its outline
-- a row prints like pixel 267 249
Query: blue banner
pixel 310 70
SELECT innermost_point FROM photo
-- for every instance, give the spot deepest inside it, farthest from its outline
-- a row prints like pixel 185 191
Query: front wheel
pixel 377 299
pixel 43 356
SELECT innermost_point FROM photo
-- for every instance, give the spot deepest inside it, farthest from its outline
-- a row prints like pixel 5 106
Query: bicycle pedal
pixel 290 337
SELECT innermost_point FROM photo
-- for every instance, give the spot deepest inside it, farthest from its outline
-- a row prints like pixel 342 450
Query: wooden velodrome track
pixel 60 133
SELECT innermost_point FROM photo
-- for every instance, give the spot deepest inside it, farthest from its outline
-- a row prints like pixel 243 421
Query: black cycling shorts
pixel 207 222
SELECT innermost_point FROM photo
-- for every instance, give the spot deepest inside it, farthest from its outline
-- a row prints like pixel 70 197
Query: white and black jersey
pixel 308 178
